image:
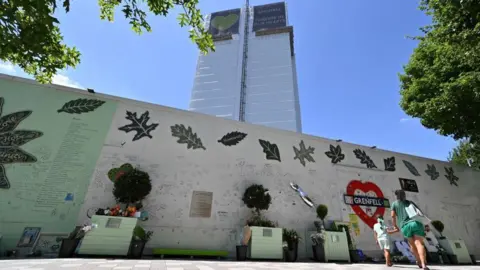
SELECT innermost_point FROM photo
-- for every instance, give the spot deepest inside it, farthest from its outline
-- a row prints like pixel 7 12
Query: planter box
pixel 112 236
pixel 266 243
pixel 335 246
pixel 457 248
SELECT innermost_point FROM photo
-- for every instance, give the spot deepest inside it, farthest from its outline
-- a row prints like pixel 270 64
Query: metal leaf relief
pixel 411 168
pixel 304 153
pixel 11 140
pixel 335 154
pixel 270 149
pixel 81 105
pixel 187 136
pixel 139 125
pixel 4 183
pixel 450 175
pixel 389 164
pixel 432 172
pixel 232 138
pixel 364 158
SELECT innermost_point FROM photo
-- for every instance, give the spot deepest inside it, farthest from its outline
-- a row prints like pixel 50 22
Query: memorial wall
pixel 58 144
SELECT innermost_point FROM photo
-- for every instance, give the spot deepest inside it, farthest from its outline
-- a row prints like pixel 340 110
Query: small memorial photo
pixel 409 185
pixel 29 236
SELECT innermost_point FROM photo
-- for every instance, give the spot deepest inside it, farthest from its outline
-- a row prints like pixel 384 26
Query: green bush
pixel 438 225
pixel 140 233
pixel 132 187
pixel 257 197
pixel 322 211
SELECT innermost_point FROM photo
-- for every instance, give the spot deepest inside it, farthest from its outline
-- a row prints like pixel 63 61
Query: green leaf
pixel 187 136
pixel 81 105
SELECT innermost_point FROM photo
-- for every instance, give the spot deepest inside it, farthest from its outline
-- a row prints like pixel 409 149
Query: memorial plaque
pixel 201 205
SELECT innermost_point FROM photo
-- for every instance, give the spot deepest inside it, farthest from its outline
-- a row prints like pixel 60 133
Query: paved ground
pixel 102 264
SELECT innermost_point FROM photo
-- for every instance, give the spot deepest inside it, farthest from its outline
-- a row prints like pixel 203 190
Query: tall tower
pixel 251 76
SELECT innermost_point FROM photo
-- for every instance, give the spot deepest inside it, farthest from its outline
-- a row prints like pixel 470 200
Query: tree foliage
pixel 464 151
pixel 441 82
pixel 30 36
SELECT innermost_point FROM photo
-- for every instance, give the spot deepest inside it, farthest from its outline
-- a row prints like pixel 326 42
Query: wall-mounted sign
pixel 366 201
pixel 201 205
pixel 408 185
pixel 224 23
pixel 366 194
pixel 269 16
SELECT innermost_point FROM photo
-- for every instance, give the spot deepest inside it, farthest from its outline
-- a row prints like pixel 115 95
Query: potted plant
pixel 131 186
pixel 290 244
pixel 140 238
pixel 70 244
pixel 318 238
pixel 266 239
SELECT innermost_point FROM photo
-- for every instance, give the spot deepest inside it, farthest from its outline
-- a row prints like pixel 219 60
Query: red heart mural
pixel 365 187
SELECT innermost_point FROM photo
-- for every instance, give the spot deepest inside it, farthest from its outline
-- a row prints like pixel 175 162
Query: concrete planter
pixel 266 243
pixel 336 246
pixel 457 248
pixel 112 236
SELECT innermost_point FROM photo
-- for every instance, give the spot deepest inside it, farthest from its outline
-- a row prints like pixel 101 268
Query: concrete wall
pixel 225 171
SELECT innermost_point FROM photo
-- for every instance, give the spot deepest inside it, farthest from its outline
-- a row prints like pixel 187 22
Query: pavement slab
pixel 112 264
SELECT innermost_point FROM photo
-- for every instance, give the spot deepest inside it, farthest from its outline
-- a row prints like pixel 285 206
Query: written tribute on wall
pixel 201 205
pixel 224 23
pixel 269 16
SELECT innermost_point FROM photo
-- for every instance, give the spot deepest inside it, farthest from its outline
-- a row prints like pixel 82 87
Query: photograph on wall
pixel 409 185
pixel 269 16
pixel 29 236
pixel 48 244
pixel 224 23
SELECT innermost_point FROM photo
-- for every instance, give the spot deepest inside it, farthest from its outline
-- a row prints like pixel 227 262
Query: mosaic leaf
pixel 432 172
pixel 4 183
pixel 389 164
pixel 81 105
pixel 450 175
pixel 187 136
pixel 364 158
pixel 303 153
pixel 335 154
pixel 232 138
pixel 139 125
pixel 411 168
pixel 270 149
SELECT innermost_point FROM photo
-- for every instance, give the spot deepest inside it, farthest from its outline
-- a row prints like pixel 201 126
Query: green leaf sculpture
pixel 187 136
pixel 81 105
pixel 11 140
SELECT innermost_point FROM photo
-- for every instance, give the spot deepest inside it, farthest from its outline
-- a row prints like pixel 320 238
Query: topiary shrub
pixel 256 197
pixel 438 225
pixel 322 212
pixel 132 187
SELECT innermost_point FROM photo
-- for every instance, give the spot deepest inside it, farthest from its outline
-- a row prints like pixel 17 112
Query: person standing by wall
pixel 382 238
pixel 411 229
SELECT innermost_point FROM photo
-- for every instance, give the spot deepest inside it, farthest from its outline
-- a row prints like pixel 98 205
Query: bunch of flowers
pixel 117 211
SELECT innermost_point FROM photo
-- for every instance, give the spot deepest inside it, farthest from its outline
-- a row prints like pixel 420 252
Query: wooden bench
pixel 189 252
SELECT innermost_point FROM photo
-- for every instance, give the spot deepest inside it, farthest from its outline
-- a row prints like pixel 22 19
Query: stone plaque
pixel 201 205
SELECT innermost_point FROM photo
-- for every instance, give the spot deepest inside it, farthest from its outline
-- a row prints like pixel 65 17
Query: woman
pixel 382 238
pixel 411 228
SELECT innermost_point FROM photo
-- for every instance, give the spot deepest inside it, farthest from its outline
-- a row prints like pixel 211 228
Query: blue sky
pixel 348 56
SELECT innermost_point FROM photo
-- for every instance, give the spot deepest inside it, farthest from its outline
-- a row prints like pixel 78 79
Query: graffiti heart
pixel 366 200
